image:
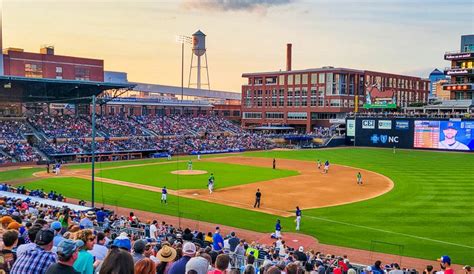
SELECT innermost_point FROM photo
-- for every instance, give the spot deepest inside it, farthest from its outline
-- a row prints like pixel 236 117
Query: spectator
pixel 31 236
pixel 376 268
pixel 198 264
pixel 145 266
pixel 122 241
pixel 396 269
pixel 222 263
pixel 154 229
pixel 58 237
pixel 217 241
pixel 99 251
pixel 138 250
pixel 428 269
pixel 166 255
pixel 233 241
pixel 179 267
pixel 67 251
pixel 240 249
pixel 117 261
pixel 85 262
pixel 86 222
pixel 445 263
pixel 7 256
pixel 37 260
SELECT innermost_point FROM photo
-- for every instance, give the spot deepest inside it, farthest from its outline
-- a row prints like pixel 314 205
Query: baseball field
pixel 417 203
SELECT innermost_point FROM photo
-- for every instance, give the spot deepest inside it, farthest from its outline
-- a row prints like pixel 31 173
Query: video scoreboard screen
pixel 448 135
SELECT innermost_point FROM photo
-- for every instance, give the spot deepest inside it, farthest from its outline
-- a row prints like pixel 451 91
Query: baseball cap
pixel 6 220
pixel 445 259
pixel 189 249
pixel 122 241
pixel 467 267
pixel 301 249
pixel 450 125
pixel 14 225
pixel 198 264
pixel 67 247
pixel 56 225
pixel 44 237
pixel 139 246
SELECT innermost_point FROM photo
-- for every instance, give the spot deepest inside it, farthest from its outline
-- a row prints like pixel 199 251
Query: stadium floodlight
pixel 183 39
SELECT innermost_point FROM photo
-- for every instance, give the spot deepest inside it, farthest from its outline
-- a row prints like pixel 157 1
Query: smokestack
pixel 288 57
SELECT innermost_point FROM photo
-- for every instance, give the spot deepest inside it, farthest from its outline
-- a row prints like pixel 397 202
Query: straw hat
pixel 166 254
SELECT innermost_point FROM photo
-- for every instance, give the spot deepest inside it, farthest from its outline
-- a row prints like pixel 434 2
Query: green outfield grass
pixel 225 175
pixel 430 211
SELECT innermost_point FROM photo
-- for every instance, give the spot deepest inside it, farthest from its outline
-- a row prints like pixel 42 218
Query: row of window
pixel 342 80
pixel 276 115
pixel 36 71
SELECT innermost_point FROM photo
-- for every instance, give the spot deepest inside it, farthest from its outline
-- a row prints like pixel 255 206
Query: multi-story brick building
pixel 461 86
pixel 313 97
pixel 17 62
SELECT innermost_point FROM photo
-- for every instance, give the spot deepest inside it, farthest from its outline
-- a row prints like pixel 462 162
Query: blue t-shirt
pixel 278 227
pixel 101 216
pixel 216 239
pixel 298 212
pixel 164 191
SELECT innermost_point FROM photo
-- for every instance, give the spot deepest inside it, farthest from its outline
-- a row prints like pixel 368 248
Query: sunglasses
pixel 91 239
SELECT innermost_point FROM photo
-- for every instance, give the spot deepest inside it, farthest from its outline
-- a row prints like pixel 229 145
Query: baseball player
pixel 169 156
pixel 298 218
pixel 210 183
pixel 190 165
pixel 58 168
pixel 326 166
pixel 274 163
pixel 278 229
pixel 164 191
pixel 359 178
pixel 199 156
pixel 258 195
pixel 319 164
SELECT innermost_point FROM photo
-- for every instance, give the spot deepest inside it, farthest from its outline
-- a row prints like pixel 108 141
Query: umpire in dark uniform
pixel 258 195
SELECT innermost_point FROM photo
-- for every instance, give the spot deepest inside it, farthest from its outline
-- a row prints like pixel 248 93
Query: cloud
pixel 234 5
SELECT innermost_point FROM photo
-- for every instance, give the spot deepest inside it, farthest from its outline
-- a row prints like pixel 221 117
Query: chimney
pixel 288 57
pixel 48 50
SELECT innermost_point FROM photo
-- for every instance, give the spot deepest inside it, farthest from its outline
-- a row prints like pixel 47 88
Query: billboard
pixel 378 98
pixel 350 125
pixel 384 132
pixel 446 135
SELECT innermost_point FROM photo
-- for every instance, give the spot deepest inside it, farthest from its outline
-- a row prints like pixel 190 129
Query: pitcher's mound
pixel 188 172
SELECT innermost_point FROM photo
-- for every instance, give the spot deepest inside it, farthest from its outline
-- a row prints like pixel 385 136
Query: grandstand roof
pixel 227 95
pixel 23 89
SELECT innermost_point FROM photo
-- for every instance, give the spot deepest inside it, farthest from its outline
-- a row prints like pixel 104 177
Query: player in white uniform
pixel 164 193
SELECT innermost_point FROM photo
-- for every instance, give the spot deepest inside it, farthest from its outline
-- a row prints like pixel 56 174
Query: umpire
pixel 258 195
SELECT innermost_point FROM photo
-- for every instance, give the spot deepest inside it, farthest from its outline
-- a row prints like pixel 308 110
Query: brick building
pixel 307 98
pixel 17 62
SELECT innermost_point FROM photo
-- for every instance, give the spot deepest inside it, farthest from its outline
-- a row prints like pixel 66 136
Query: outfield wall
pixel 414 133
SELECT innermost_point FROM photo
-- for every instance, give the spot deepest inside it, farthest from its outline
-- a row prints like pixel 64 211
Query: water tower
pixel 199 49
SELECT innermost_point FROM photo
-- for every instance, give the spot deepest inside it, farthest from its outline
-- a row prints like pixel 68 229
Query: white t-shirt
pixel 153 230
pixel 456 146
pixel 98 251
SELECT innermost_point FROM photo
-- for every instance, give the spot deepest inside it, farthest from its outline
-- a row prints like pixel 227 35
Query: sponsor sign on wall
pixel 368 124
pixel 385 124
pixel 350 128
pixel 402 125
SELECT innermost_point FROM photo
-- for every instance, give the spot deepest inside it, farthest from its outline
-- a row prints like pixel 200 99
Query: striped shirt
pixel 34 261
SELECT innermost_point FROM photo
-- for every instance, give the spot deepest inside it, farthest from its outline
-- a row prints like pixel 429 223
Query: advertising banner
pixel 350 128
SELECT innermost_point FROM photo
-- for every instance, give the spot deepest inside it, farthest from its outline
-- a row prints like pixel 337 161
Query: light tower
pixel 199 49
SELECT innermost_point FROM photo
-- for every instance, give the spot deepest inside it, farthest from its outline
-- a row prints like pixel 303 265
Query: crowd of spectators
pixel 12 130
pixel 164 125
pixel 413 114
pixel 64 126
pixel 119 126
pixel 39 238
pixel 23 152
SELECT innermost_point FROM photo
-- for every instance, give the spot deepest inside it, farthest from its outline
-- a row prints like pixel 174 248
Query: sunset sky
pixel 138 37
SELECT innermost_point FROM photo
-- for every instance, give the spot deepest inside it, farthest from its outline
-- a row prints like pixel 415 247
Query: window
pixel 59 73
pixel 314 101
pixel 274 115
pixel 314 92
pixel 252 115
pixel 82 74
pixel 314 79
pixel 282 92
pixel 290 79
pixel 258 80
pixel 274 101
pixel 335 102
pixel 236 113
pixel 304 79
pixel 297 79
pixel 33 70
pixel 322 77
pixel 321 102
pixel 281 102
pixel 281 80
pixel 297 115
pixel 271 80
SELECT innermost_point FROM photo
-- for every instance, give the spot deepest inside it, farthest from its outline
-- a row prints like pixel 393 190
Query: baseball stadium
pixel 326 170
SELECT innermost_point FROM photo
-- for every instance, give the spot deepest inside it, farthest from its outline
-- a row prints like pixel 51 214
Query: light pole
pixel 183 40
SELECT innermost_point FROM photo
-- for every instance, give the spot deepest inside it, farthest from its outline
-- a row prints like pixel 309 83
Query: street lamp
pixel 183 39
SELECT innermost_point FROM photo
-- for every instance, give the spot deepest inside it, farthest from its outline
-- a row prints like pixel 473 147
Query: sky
pixel 139 37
